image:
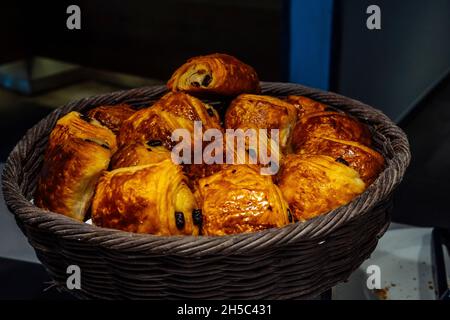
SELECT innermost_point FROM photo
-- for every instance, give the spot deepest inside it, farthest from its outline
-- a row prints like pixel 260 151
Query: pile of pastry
pixel 114 164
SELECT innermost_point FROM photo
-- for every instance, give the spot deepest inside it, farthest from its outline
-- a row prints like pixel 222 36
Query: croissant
pixel 315 184
pixel 173 111
pixel 238 199
pixel 137 154
pixel 112 117
pixel 331 124
pixel 79 149
pixel 368 162
pixel 217 74
pixel 249 111
pixel 152 198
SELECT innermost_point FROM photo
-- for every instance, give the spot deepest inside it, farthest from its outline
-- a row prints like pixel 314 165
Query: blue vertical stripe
pixel 310 42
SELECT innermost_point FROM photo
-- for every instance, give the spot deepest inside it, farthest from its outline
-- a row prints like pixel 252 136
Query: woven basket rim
pixel 314 229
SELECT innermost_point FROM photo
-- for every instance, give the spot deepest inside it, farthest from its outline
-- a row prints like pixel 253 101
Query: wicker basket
pixel 300 260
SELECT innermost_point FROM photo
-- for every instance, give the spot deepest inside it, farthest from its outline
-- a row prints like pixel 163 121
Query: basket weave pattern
pixel 297 261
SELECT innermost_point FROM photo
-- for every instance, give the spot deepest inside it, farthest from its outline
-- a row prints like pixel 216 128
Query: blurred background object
pixel 323 44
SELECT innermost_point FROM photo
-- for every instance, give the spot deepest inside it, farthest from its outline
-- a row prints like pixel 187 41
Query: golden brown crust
pixel 306 105
pixel 112 117
pixel 197 171
pixel 173 111
pixel 365 160
pixel 335 125
pixel 151 199
pixel 237 199
pixel 79 149
pixel 215 73
pixel 138 154
pixel 250 111
pixel 315 184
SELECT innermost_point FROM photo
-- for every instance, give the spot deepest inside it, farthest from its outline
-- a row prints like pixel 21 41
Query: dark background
pixel 147 38
pixel 395 67
pixel 391 69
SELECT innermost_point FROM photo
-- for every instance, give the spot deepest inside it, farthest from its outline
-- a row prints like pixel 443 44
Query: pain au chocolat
pixel 249 111
pixel 315 184
pixel 175 110
pixel 366 161
pixel 219 74
pixel 152 198
pixel 112 117
pixel 337 125
pixel 78 151
pixel 238 199
pixel 322 130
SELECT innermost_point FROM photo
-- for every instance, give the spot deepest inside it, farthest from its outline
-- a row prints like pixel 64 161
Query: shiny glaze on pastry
pixel 198 171
pixel 112 117
pixel 306 105
pixel 215 73
pixel 238 199
pixel 365 160
pixel 332 124
pixel 315 184
pixel 174 110
pixel 79 149
pixel 250 111
pixel 195 172
pixel 138 154
pixel 151 199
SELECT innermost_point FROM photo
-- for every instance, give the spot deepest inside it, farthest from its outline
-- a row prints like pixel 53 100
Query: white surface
pixel 404 258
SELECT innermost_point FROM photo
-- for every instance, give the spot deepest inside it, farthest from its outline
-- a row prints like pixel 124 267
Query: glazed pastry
pixel 175 110
pixel 112 117
pixel 365 160
pixel 306 105
pixel 262 112
pixel 195 172
pixel 217 74
pixel 335 125
pixel 238 199
pixel 315 184
pixel 151 199
pixel 79 149
pixel 198 171
pixel 138 154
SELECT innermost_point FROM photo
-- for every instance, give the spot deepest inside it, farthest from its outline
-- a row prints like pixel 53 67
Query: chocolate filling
pixel 154 143
pixel 343 161
pixel 179 220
